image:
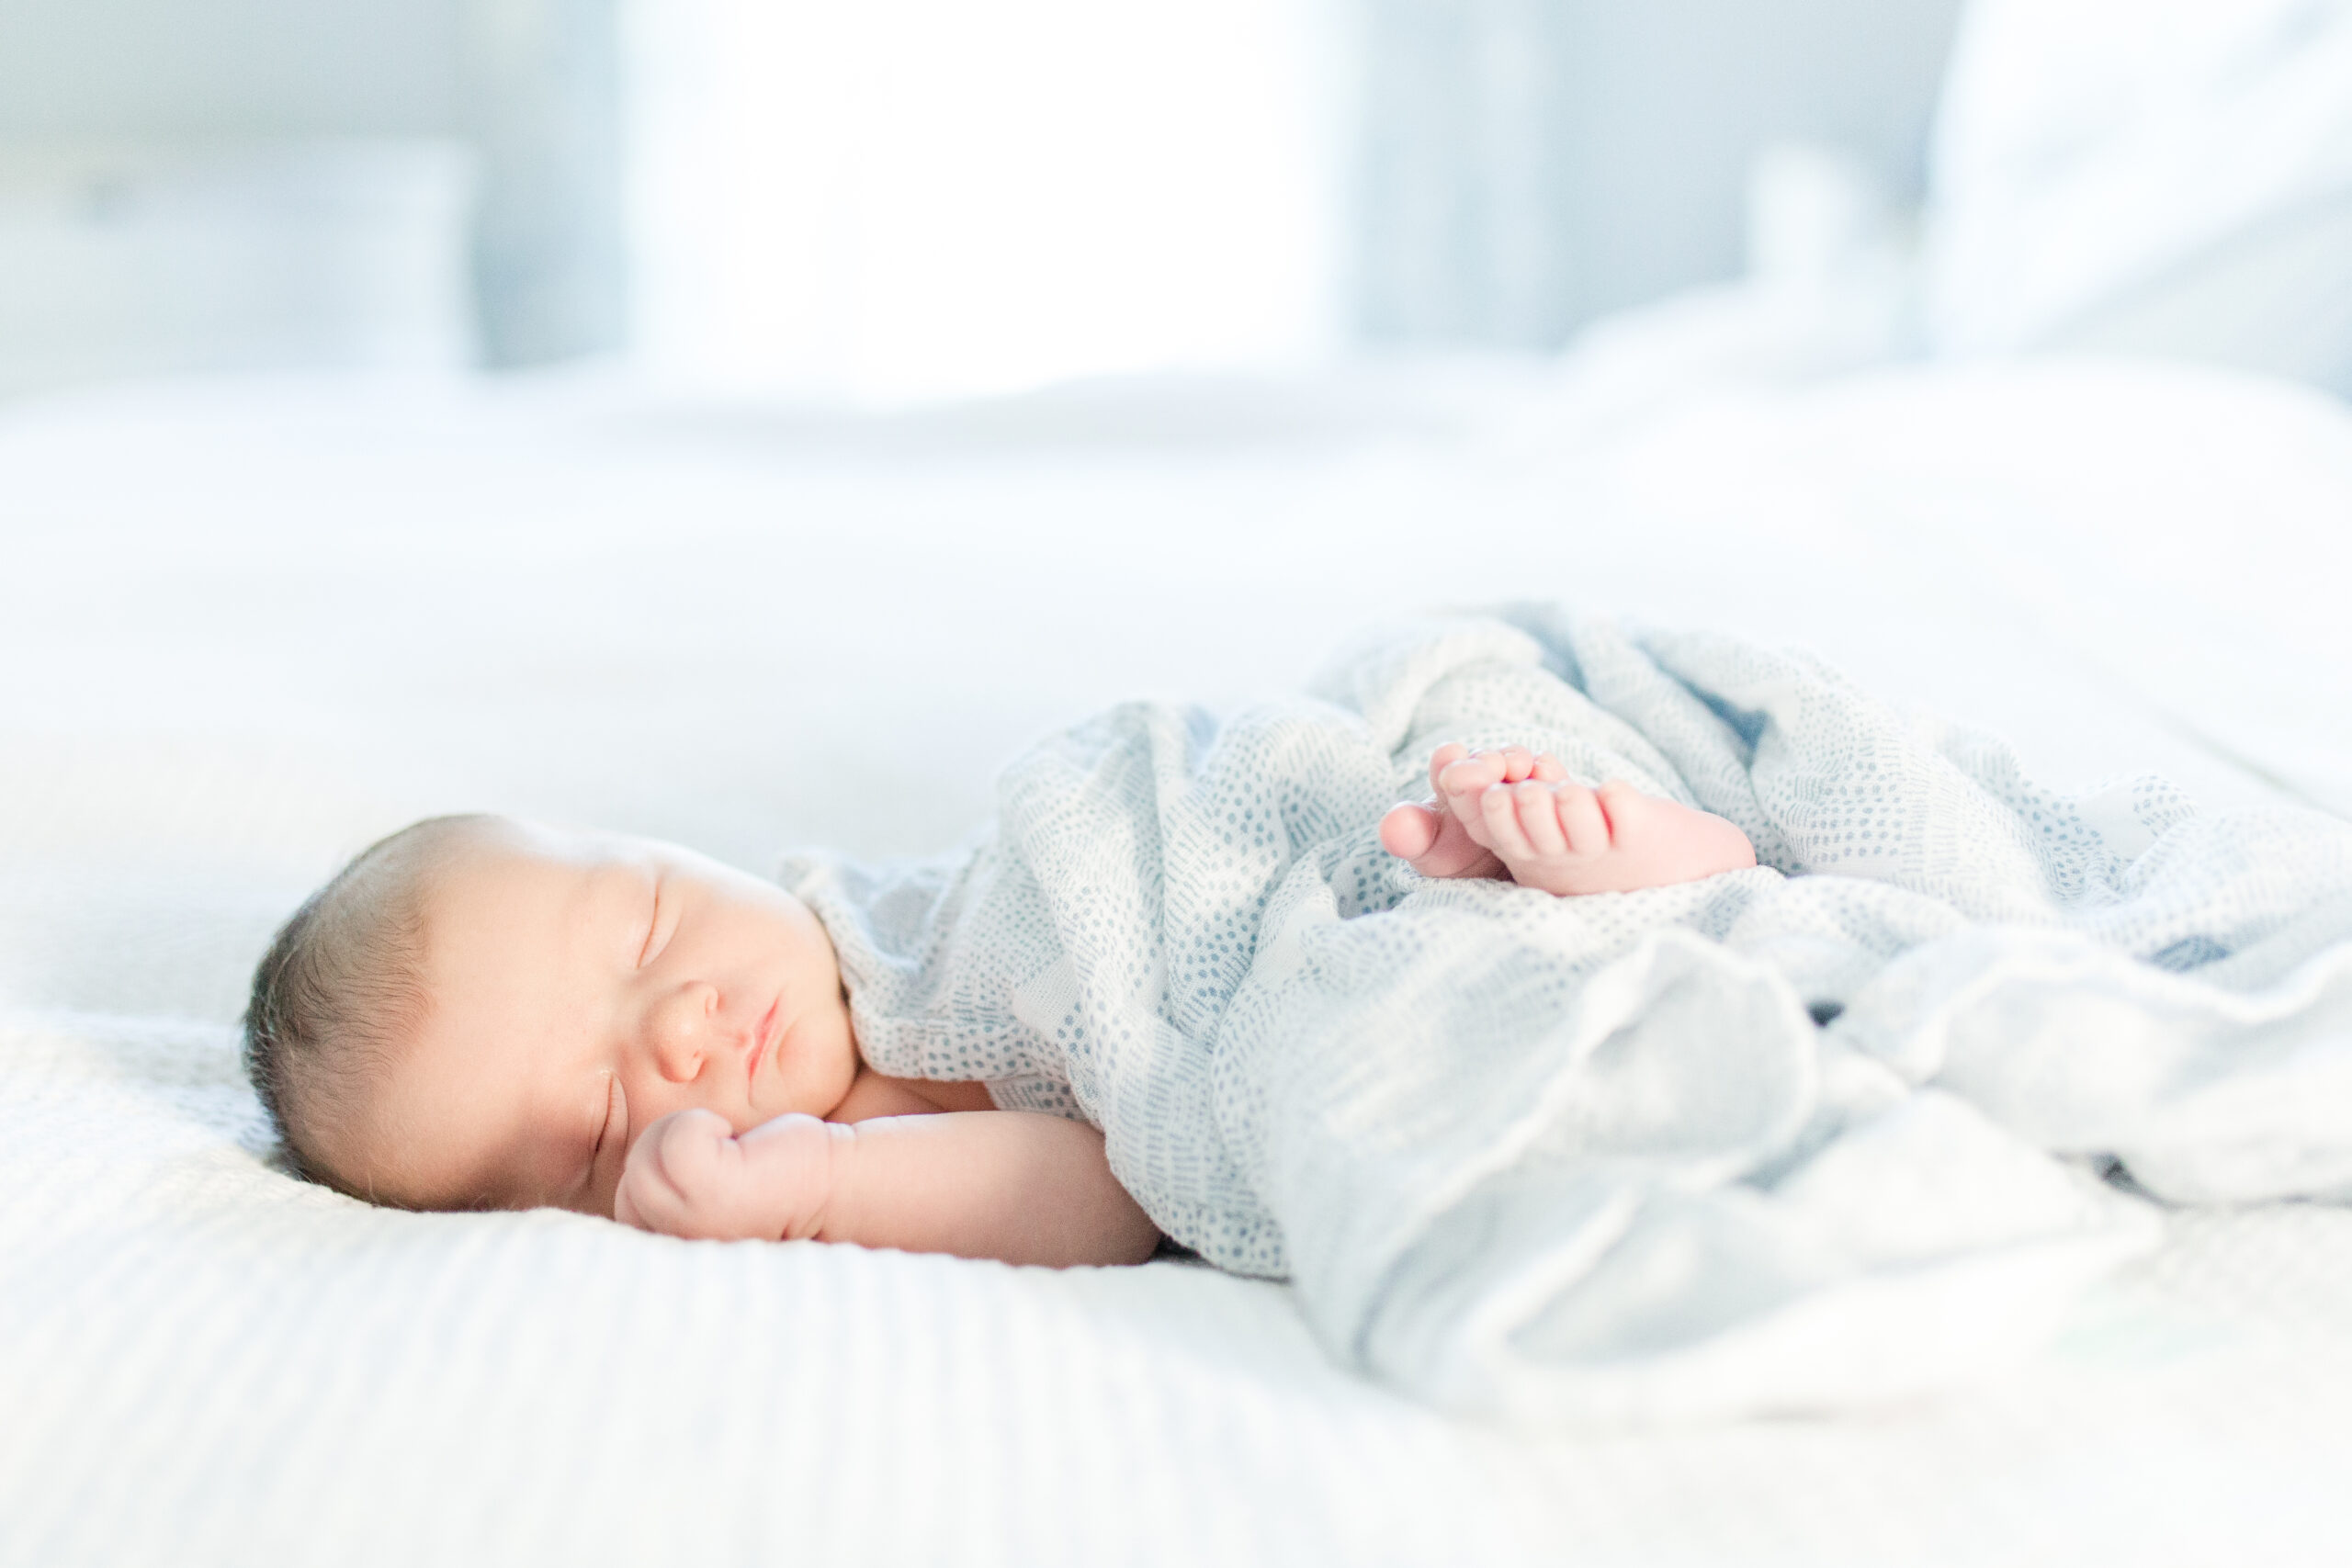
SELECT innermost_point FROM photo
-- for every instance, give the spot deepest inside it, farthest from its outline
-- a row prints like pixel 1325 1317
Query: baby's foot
pixel 1540 828
pixel 1437 838
pixel 1563 838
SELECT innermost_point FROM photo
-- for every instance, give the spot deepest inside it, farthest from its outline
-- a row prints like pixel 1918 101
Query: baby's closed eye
pixel 651 947
pixel 612 1135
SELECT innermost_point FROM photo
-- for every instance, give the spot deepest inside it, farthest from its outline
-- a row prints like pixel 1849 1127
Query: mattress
pixel 250 624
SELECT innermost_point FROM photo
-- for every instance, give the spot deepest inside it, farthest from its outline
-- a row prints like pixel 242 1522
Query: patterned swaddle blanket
pixel 1851 1124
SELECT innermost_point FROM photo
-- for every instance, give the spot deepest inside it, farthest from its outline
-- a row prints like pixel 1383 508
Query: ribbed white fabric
pixel 204 1363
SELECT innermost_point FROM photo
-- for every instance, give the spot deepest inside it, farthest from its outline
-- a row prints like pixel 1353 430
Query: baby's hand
pixel 689 1175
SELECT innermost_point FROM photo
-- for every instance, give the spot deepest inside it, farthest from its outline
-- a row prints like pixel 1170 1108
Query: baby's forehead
pixel 506 909
pixel 521 866
pixel 513 841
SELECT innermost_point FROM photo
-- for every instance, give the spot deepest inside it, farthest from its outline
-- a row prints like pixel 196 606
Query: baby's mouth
pixel 763 1038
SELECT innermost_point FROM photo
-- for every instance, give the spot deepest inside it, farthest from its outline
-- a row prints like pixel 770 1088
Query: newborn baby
pixel 485 1013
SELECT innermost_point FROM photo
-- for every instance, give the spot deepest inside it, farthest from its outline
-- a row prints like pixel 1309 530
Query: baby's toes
pixel 1448 850
pixel 1539 818
pixel 1462 788
pixel 1499 812
pixel 1518 763
pixel 1548 768
pixel 1442 758
pixel 1469 773
pixel 1582 821
pixel 1409 832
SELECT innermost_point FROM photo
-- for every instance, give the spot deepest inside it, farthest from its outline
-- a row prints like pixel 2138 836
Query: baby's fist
pixel 689 1175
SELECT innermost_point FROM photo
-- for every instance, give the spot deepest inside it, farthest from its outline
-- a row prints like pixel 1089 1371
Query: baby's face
pixel 579 986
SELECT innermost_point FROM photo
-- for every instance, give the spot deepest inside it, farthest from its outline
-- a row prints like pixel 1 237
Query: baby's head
pixel 479 1012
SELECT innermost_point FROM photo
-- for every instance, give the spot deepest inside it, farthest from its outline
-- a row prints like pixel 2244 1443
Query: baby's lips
pixel 763 1034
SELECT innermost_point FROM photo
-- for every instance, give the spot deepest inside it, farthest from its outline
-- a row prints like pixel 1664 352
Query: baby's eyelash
pixel 604 1128
pixel 615 1109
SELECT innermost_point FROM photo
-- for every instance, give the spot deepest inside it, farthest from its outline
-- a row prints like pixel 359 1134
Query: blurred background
pixel 908 199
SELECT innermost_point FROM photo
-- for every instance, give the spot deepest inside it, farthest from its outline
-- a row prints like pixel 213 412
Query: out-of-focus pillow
pixel 2165 176
pixel 143 259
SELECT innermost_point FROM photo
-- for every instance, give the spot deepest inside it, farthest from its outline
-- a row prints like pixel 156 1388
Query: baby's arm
pixel 1006 1184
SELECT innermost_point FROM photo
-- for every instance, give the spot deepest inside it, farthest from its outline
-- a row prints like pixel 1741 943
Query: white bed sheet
pixel 248 625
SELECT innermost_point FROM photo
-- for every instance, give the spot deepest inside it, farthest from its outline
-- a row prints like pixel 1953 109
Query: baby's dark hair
pixel 341 981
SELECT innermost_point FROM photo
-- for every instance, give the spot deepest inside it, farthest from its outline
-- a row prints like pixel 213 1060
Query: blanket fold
pixel 1602 1158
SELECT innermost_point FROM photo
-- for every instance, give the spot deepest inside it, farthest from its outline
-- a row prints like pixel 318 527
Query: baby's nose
pixel 681 1029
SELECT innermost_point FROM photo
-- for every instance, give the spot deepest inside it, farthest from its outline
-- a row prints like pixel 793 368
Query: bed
pixel 250 624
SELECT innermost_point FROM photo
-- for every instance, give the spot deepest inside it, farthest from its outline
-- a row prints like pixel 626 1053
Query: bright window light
pixel 909 198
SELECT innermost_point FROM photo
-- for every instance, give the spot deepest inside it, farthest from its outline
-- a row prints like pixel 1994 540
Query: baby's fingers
pixel 625 1207
pixel 644 1199
pixel 678 1167
pixel 689 1147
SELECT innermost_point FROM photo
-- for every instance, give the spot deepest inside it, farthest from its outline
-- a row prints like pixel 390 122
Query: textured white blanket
pixel 1827 1131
